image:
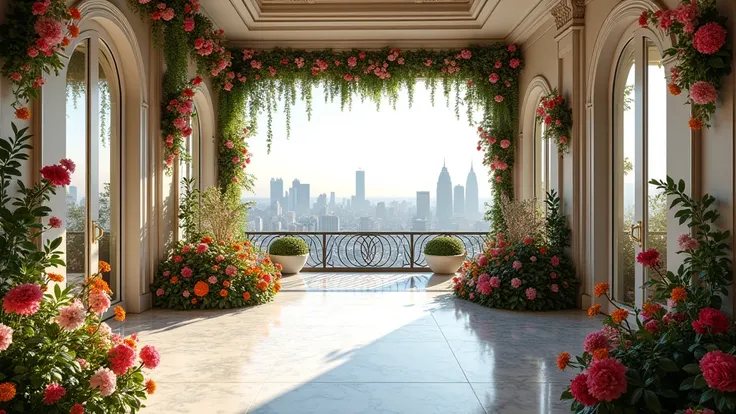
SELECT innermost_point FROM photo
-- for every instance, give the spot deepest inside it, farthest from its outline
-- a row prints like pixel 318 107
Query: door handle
pixel 636 238
pixel 97 232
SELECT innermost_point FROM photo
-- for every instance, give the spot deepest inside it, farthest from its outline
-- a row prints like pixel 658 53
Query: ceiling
pixel 376 23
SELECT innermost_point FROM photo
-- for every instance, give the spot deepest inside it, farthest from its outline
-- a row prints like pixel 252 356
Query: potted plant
pixel 290 252
pixel 444 254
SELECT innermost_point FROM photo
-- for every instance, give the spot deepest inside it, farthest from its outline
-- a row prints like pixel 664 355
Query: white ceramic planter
pixel 445 265
pixel 290 264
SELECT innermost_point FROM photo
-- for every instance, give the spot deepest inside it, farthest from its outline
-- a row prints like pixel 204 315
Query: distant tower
pixel 359 190
pixel 471 196
pixel 332 201
pixel 423 212
pixel 444 199
pixel 459 201
pixel 277 190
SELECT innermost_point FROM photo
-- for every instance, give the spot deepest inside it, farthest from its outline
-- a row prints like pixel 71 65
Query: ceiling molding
pixel 535 19
pixel 338 45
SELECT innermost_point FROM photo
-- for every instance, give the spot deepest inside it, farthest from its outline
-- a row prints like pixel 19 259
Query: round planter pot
pixel 445 265
pixel 290 264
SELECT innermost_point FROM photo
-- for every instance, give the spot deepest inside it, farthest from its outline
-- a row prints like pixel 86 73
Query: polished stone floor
pixel 393 344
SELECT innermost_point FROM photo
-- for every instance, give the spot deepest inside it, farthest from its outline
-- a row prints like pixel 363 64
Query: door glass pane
pixel 76 150
pixel 624 171
pixel 657 153
pixel 108 142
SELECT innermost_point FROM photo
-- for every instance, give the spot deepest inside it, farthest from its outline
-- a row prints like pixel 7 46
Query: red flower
pixel 188 24
pixel 74 13
pixel 643 19
pixel 68 164
pixel 710 38
pixel 649 258
pixel 39 8
pixel 579 390
pixel 23 113
pixel 606 379
pixel 711 320
pixel 54 222
pixel 719 371
pixel 57 175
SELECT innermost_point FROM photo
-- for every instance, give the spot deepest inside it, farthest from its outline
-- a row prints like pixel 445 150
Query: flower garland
pixel 177 122
pixel 557 117
pixel 30 42
pixel 703 57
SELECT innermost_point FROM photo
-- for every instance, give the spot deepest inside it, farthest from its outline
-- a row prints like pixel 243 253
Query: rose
pixel 719 371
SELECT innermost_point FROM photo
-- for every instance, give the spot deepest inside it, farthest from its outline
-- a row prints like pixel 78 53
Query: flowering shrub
pixel 703 56
pixel 31 40
pixel 557 117
pixel 212 274
pixel 529 274
pixel 678 358
pixel 56 354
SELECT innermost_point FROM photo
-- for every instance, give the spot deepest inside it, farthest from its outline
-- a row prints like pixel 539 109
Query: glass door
pixel 639 155
pixel 92 142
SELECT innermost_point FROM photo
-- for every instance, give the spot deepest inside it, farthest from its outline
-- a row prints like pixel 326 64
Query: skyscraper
pixel 381 211
pixel 277 190
pixel 359 190
pixel 459 201
pixel 444 199
pixel 302 199
pixel 329 223
pixel 471 196
pixel 423 212
pixel 332 201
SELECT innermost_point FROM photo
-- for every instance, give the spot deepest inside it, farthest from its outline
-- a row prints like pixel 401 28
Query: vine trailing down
pixel 674 359
pixel 557 117
pixel 31 41
pixel 701 50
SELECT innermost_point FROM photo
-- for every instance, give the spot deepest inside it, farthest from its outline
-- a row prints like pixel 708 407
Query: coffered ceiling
pixel 376 23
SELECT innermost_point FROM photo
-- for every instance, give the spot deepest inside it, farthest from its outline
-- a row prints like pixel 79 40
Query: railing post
pixel 411 250
pixel 324 250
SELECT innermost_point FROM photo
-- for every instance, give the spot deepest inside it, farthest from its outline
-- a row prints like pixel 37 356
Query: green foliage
pixel 189 210
pixel 444 246
pixel 288 246
pixel 557 117
pixel 557 232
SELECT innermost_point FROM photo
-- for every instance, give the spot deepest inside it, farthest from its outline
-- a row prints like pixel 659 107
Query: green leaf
pixel 636 395
pixel 691 368
pixel 699 383
pixel 687 384
pixel 668 365
pixel 651 400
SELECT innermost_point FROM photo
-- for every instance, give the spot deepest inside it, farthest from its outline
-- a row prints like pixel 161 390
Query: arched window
pixel 541 162
pixel 639 155
pixel 190 165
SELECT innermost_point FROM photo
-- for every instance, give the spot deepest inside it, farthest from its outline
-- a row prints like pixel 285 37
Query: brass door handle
pixel 97 232
pixel 636 238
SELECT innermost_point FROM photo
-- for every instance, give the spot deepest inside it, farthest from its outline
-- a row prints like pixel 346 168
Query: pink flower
pixel 689 28
pixel 466 54
pixel 613 335
pixel 231 270
pixel 719 371
pixel 186 272
pixel 99 301
pixel 482 260
pixel 53 393
pixel 219 258
pixel 23 299
pixel 236 160
pixel 531 293
pixel 533 259
pixel 686 13
pixel 56 174
pixel 554 288
pixel 495 282
pixel 493 77
pixel 515 282
pixel 499 178
pixel 498 64
pixel 428 63
pixel 498 98
pixel 122 358
pixel 594 341
pixel 39 8
pixel 201 248
pixel 579 390
pixel 686 242
pixel 505 143
pixel 160 292
pixel 484 287
pixel 104 380
pixel 712 321
pixel 212 280
pixel 516 265
pixel 652 326
pixel 710 38
pixel 72 317
pixel 50 30
pixel 606 379
pixel 185 293
pixel 512 48
pixel 6 337
pixel 167 14
pixel 77 409
pixel 527 240
pixel 54 222
pixel 649 258
pixel 188 24
pixel 180 123
pixel 471 296
pixel 186 249
pixel 703 93
pixel 229 144
pixel 555 261
pixel 514 63
pixel 32 52
pixel 68 164
pixel 150 357
pixel 178 259
pixel 82 362
pixel 352 61
pixel 553 275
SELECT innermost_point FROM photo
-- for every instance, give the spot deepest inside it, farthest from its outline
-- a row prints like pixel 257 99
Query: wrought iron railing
pixel 341 251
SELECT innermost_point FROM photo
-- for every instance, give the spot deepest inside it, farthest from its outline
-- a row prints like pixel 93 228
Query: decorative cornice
pixel 567 10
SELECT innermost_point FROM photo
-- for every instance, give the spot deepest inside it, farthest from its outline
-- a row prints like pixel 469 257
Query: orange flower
pixel 194 301
pixel 246 243
pixel 119 313
pixel 543 250
pixel 277 287
pixel 594 310
pixel 236 247
pixel 226 283
pixel 100 285
pixel 262 285
pixel 650 308
pixel 104 266
pixel 246 296
pixel 600 289
pixel 601 353
pixel 563 360
pixel 223 292
pixel 674 89
pixel 65 41
pixel 174 280
pixel 23 113
pixel 7 391
pixel 201 288
pixel 215 267
pixel 206 239
pixel 619 315
pixel 278 266
pixel 695 124
pixel 74 13
pixel 55 277
pixel 73 30
pixel 150 386
pixel 130 342
pixel 678 294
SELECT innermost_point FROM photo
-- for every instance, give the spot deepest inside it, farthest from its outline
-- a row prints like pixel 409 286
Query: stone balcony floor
pixel 361 343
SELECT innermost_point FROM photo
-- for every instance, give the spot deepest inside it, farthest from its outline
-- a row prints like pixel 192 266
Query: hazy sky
pixel 400 151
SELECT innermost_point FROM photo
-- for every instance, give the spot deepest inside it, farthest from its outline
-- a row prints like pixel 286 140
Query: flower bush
pixel 528 274
pixel 676 353
pixel 288 246
pixel 557 117
pixel 31 40
pixel 56 353
pixel 444 246
pixel 702 53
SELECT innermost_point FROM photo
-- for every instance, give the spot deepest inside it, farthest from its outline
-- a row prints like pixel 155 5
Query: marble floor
pixel 387 343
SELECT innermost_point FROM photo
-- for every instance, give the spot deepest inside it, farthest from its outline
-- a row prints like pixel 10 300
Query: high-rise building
pixel 332 201
pixel 381 210
pixel 459 201
pixel 258 224
pixel 277 190
pixel 366 224
pixel 329 223
pixel 419 225
pixel 321 203
pixel 359 190
pixel 423 209
pixel 302 199
pixel 275 209
pixel 444 199
pixel 471 196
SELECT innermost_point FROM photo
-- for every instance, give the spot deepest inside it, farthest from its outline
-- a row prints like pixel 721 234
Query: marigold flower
pixel 651 308
pixel 695 124
pixel 226 283
pixel 119 313
pixel 601 289
pixel 223 293
pixel 674 89
pixel 678 294
pixel 104 266
pixel 246 296
pixel 23 113
pixel 174 280
pixel 201 289
pixel 594 310
pixel 619 315
pixel 601 353
pixel 7 391
pixel 150 386
pixel 277 287
pixel 98 284
pixel 74 13
pixel 55 277
pixel 194 301
pixel 563 360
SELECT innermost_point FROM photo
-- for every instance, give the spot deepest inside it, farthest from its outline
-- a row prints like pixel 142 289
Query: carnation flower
pixel 563 359
pixel 493 77
pixel 515 282
pixel 201 248
pixel 104 380
pixel 595 340
pixel 57 175
pixel 72 317
pixel 188 24
pixel 648 258
pixel 709 38
pixel 686 242
pixel 53 393
pixel 212 280
pixel 122 358
pixel 6 337
pixel 150 357
pixel 99 301
pixel 711 321
pixel 505 143
pixel 50 30
pixel 594 310
pixel 678 294
pixel 703 93
pixel 23 299
pixel 495 282
pixel 606 379
pixel 54 222
pixel 719 371
pixel 150 386
pixel 185 293
pixel 516 265
pixel 579 390
pixel 619 315
pixel 482 260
